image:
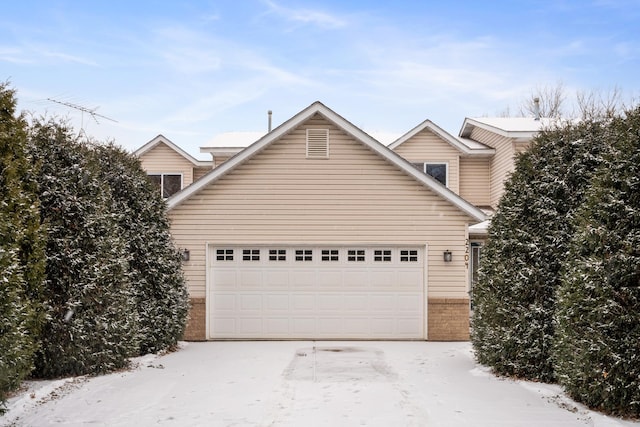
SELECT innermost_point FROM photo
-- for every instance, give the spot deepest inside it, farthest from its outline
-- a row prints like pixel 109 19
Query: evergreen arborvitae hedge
pixel 156 265
pixel 93 321
pixel 597 351
pixel 21 250
pixel 514 300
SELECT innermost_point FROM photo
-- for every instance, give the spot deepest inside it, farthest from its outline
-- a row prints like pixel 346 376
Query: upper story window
pixel 168 183
pixel 439 171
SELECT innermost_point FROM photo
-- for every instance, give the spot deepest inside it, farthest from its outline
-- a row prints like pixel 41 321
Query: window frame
pixel 446 171
pixel 162 176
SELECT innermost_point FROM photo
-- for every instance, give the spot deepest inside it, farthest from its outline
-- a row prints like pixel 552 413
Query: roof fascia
pixel 162 139
pixel 469 124
pixel 453 141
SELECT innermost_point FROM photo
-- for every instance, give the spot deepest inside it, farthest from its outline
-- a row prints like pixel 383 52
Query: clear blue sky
pixel 193 69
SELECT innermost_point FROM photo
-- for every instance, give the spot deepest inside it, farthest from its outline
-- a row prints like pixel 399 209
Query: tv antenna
pixel 91 112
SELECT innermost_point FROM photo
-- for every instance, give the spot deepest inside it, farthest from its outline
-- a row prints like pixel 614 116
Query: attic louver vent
pixel 317 143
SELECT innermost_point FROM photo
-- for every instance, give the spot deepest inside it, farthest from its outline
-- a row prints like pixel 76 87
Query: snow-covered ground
pixel 302 384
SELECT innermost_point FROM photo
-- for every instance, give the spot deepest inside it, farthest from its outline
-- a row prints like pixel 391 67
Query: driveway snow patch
pixel 295 383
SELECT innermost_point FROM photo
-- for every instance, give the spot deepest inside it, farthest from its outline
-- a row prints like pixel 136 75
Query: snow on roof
pixel 385 138
pixel 473 145
pixel 511 127
pixel 233 140
pixel 515 124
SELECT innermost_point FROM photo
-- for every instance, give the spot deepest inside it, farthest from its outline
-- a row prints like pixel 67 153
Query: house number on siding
pixel 466 253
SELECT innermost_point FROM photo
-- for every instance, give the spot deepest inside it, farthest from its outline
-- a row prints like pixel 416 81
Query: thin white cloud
pixel 14 56
pixel 306 16
pixel 65 57
pixel 41 54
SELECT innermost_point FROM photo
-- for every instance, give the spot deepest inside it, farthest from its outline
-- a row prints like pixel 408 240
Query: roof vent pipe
pixel 536 108
pixel 269 114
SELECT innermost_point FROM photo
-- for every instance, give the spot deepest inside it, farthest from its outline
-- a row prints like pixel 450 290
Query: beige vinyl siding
pixel 199 172
pixel 218 160
pixel 354 197
pixel 502 162
pixel 163 159
pixel 475 180
pixel 428 147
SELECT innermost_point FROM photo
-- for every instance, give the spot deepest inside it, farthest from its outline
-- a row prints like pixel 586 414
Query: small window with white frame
pixel 304 255
pixel 251 254
pixel 409 255
pixel 355 255
pixel 329 255
pixel 438 171
pixel 382 255
pixel 168 183
pixel 277 254
pixel 224 254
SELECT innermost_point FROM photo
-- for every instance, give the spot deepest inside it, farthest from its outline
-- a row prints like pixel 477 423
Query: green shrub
pixel 155 267
pixel 514 300
pixel 93 323
pixel 597 350
pixel 21 250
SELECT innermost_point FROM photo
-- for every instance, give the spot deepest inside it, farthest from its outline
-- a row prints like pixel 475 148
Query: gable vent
pixel 317 143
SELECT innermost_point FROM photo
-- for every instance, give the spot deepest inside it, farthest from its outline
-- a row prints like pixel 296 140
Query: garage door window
pixel 304 255
pixel 224 255
pixel 277 254
pixel 356 255
pixel 329 255
pixel 408 255
pixel 382 255
pixel 251 254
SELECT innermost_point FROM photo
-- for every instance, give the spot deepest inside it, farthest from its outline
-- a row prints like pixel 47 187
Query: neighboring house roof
pixel 230 143
pixel 465 146
pixel 520 128
pixel 349 128
pixel 161 139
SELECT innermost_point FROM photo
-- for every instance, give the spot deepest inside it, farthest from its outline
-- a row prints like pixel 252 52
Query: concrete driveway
pixel 302 384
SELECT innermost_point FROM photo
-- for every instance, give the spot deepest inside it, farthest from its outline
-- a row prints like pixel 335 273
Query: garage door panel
pixel 276 278
pixel 374 295
pixel 331 302
pixel 304 327
pixel 277 303
pixel 356 279
pixel 355 303
pixel 410 279
pixel 224 327
pixel 356 326
pixel 250 326
pixel 304 303
pixel 383 278
pixel 329 279
pixel 383 326
pixel 250 279
pixel 329 325
pixel 410 303
pixel 225 278
pixel 303 278
pixel 277 327
pixel 250 303
pixel 382 303
pixel 225 303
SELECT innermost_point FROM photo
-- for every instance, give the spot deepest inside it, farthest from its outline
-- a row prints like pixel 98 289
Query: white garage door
pixel 262 292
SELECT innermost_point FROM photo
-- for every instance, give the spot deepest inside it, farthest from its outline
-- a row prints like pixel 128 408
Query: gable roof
pixel 519 128
pixel 288 126
pixel 467 146
pixel 161 139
